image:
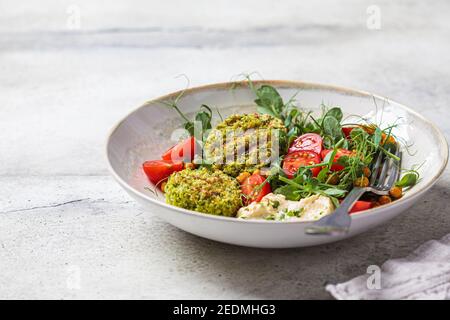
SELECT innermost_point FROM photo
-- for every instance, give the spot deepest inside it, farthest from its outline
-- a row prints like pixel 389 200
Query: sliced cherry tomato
pixel 298 159
pixel 251 188
pixel 360 206
pixel 158 170
pixel 307 142
pixel 347 131
pixel 340 153
pixel 185 150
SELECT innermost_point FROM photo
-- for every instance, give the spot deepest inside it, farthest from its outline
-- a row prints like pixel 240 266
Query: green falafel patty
pixel 244 142
pixel 204 191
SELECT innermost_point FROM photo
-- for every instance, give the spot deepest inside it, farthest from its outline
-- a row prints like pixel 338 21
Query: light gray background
pixel 66 228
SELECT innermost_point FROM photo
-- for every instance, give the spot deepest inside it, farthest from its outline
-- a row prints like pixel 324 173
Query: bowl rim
pixel 280 84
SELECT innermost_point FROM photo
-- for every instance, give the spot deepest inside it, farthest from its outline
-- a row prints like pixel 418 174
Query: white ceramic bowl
pixel 147 131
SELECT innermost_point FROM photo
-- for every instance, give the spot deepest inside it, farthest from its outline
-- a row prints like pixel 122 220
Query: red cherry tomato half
pixel 158 170
pixel 251 188
pixel 185 150
pixel 347 131
pixel 307 142
pixel 340 153
pixel 361 206
pixel 298 159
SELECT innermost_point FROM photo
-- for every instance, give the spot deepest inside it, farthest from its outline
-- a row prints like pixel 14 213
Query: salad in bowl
pixel 279 162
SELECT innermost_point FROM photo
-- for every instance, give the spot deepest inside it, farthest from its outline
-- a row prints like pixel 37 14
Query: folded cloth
pixel 423 275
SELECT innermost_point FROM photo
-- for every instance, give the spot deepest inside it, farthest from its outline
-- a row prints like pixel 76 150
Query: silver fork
pixel 381 181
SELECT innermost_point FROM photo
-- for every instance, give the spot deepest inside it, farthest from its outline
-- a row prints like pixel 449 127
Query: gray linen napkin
pixel 424 274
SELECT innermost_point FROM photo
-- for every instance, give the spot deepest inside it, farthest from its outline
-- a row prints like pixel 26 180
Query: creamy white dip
pixel 276 207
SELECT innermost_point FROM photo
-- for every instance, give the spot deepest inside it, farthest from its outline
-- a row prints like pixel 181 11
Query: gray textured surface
pixel 68 231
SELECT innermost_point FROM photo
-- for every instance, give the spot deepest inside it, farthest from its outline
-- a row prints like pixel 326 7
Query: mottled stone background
pixel 70 69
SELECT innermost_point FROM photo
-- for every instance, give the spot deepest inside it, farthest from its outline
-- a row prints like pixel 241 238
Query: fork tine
pixel 393 175
pixel 384 170
pixel 400 165
pixel 375 168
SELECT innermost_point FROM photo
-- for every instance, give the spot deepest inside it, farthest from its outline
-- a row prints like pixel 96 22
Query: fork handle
pixel 339 221
pixel 350 200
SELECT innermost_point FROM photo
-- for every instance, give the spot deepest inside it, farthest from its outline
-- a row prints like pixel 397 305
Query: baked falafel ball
pixel 244 142
pixel 205 191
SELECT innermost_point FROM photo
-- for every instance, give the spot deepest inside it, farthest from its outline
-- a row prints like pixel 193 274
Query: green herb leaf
pixel 202 123
pixel 329 158
pixel 335 192
pixel 332 128
pixel 292 114
pixel 289 192
pixel 323 174
pixel 269 101
pixel 408 180
pixel 377 136
pixel 336 113
pixel 294 213
pixel 302 175
pixel 204 116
